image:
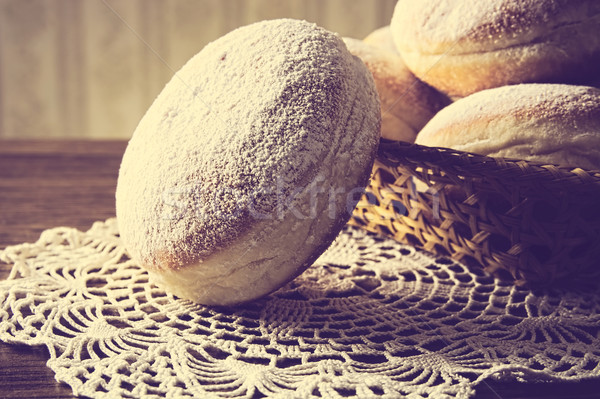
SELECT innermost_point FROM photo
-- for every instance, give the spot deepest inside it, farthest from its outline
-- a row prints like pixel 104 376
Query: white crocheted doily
pixel 371 318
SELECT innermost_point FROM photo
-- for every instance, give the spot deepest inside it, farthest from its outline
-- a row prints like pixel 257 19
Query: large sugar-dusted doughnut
pixel 249 162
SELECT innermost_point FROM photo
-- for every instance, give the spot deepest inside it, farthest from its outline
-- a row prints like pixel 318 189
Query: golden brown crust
pixel 407 103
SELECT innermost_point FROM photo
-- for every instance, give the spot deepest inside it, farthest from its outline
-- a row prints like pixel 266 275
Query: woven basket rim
pixel 471 165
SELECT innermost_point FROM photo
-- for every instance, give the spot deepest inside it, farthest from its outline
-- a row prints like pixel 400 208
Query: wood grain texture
pixel 44 184
pixel 55 183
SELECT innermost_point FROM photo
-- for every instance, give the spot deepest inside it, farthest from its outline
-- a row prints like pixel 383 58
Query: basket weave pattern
pixel 539 223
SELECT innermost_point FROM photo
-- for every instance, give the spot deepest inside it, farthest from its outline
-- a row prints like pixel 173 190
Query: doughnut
pixel 382 38
pixel 249 162
pixel 407 104
pixel 463 46
pixel 547 123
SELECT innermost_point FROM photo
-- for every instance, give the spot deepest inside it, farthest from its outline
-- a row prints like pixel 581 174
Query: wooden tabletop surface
pixel 44 184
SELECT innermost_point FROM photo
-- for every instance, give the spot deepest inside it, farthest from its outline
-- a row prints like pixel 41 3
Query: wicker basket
pixel 539 223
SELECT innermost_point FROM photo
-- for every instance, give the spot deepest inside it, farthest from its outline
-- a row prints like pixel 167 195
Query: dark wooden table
pixel 44 184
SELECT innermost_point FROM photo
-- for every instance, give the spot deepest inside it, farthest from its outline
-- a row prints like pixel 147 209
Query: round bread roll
pixel 407 104
pixel 546 123
pixel 463 46
pixel 382 38
pixel 249 162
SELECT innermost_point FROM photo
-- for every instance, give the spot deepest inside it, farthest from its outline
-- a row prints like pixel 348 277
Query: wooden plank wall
pixel 91 68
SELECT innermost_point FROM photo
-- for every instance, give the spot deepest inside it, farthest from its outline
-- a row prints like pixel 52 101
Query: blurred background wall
pixel 91 68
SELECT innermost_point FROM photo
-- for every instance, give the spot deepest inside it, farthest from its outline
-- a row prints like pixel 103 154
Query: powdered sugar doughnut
pixel 407 104
pixel 464 46
pixel 546 123
pixel 249 162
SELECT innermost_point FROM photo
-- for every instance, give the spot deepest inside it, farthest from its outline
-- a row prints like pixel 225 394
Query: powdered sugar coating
pixel 458 27
pixel 462 46
pixel 246 121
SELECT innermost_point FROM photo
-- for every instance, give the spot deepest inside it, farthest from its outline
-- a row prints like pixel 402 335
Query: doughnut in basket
pixel 407 103
pixel 464 46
